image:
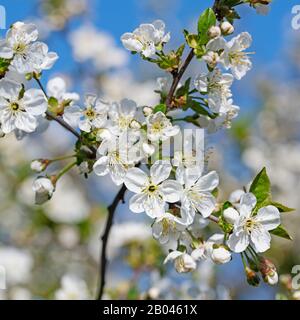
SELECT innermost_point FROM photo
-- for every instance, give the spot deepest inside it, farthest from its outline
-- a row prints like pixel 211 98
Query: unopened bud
pixel 135 125
pixel 39 165
pixel 214 32
pixel 230 215
pixel 220 255
pixel 252 277
pixel 226 28
pixel 43 188
pixel 268 271
pixel 147 111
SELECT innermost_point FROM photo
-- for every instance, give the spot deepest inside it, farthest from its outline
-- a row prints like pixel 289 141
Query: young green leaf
pixel 281 207
pixel 281 232
pixel 261 188
pixel 205 22
pixel 160 108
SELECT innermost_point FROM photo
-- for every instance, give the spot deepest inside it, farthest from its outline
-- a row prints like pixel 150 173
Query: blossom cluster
pixel 125 141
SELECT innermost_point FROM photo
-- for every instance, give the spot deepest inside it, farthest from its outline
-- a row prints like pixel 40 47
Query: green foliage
pixel 4 64
pixel 160 108
pixel 261 188
pixel 281 207
pixel 205 22
pixel 281 232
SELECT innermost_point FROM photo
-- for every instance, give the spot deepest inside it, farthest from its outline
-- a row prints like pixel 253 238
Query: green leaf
pixel 184 89
pixel 261 188
pixel 281 232
pixel 192 40
pixel 160 108
pixel 197 107
pixel 206 20
pixel 281 207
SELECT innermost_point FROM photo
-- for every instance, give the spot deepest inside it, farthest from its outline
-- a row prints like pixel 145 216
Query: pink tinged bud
pixel 214 32
pixel 227 28
pixel 220 255
pixel 230 215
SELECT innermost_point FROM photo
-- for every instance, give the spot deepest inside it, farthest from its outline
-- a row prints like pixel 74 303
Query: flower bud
pixel 43 188
pixel 185 263
pixel 214 32
pixel 135 125
pixel 211 58
pixel 268 271
pixel 39 165
pixel 252 277
pixel 227 28
pixel 230 215
pixel 220 255
pixel 147 111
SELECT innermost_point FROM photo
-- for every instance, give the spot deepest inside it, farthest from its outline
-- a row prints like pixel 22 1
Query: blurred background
pixel 52 252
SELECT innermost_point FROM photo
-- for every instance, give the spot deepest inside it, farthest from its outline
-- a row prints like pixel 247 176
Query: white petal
pixel 9 89
pixel 171 190
pixel 261 239
pixel 25 122
pixel 136 180
pixel 208 182
pixel 269 217
pixel 35 102
pixel 160 171
pixel 154 207
pixel 172 256
pixel 247 204
pixel 5 51
pixel 101 166
pixel 231 215
pixel 56 87
pixel 72 115
pixel 238 242
pixel 206 204
pixel 136 203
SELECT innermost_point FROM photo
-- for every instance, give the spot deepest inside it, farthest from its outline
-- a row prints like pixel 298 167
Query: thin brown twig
pixel 111 212
pixel 177 77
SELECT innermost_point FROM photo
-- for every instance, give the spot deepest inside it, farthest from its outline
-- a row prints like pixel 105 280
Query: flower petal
pixel 208 182
pixel 160 171
pixel 171 190
pixel 261 239
pixel 269 217
pixel 238 241
pixel 136 203
pixel 136 180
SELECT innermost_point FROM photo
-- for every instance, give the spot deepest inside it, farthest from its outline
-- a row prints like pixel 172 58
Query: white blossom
pixel 153 191
pixel 57 88
pixel 27 55
pixel 159 127
pixel 18 110
pixel 196 195
pixel 146 38
pixel 94 114
pixel 217 87
pixel 115 156
pixel 253 229
pixel 183 262
pixel 233 56
pixel 43 188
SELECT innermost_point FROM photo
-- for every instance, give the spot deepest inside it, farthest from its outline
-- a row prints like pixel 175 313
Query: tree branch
pixel 103 264
pixel 177 77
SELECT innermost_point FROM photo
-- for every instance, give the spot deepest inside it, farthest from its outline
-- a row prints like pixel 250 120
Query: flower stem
pixel 65 170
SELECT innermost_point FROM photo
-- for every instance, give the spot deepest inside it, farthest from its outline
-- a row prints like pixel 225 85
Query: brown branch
pixel 177 77
pixel 111 211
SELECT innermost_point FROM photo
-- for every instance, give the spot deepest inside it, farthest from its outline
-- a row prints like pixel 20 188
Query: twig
pixel 177 77
pixel 60 121
pixel 111 211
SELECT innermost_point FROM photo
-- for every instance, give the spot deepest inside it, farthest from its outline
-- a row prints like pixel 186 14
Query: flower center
pixel 15 106
pixel 90 113
pixel 19 47
pixel 152 188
